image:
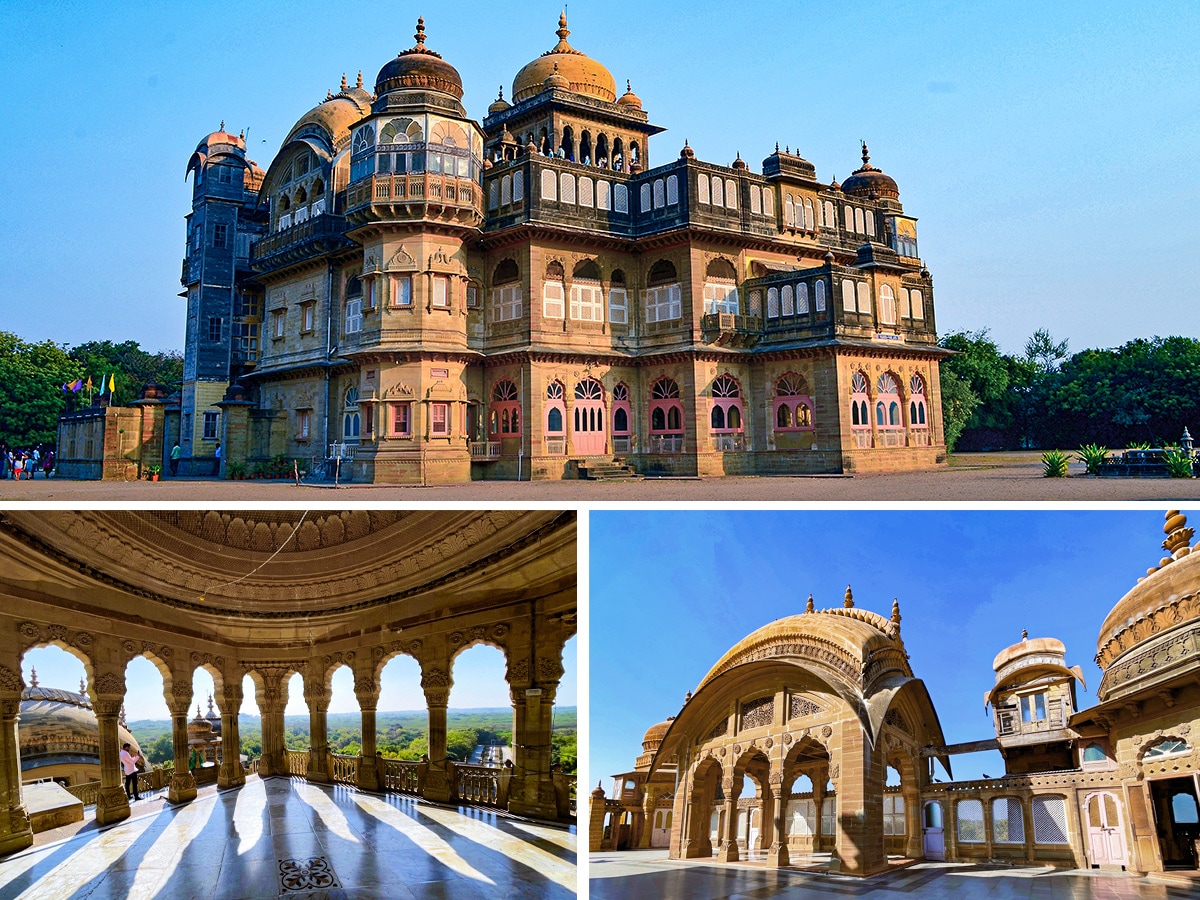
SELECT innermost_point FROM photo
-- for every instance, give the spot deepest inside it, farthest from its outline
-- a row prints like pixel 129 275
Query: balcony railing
pixel 311 237
pixel 485 451
pixel 730 322
pixel 421 187
pixel 728 443
pixel 484 785
pixel 86 793
pixel 297 762
pixel 665 443
pixel 621 443
pixel 402 777
pixel 343 769
pixel 556 446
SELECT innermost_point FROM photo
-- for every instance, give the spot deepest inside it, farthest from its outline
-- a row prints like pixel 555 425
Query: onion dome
pixel 583 74
pixel 687 152
pixel 1029 660
pixel 739 163
pixel 419 67
pixel 834 186
pixel 220 138
pixel 58 726
pixel 655 734
pixel 506 137
pixel 557 81
pixel 499 104
pixel 629 98
pixel 868 181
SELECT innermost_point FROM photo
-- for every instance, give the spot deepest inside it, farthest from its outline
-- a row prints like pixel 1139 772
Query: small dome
pixel 419 67
pixel 629 98
pixel 583 74
pixel 655 734
pixel 506 137
pixel 869 181
pixel 220 138
pixel 557 81
pixel 335 115
pixel 499 104
pixel 59 726
pixel 687 152
pixel 739 163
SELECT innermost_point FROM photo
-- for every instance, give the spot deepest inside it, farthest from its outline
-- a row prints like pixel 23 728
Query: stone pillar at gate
pixel 729 847
pixel 231 773
pixel 182 788
pixel 15 831
pixel 317 698
pixel 860 849
pixel 111 803
pixel 370 777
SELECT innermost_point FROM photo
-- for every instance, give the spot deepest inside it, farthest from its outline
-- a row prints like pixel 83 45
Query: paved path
pixel 649 875
pixel 974 477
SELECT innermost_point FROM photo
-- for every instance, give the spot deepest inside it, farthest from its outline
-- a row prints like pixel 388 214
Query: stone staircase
pixel 605 470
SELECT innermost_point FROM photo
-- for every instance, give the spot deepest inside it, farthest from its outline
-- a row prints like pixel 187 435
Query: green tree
pixel 958 404
pixel 160 751
pixel 132 367
pixel 31 394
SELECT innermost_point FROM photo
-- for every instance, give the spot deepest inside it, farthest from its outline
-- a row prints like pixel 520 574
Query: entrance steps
pixel 605 470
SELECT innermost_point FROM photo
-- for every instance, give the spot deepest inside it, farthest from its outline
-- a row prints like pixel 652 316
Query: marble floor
pixel 287 838
pixel 649 875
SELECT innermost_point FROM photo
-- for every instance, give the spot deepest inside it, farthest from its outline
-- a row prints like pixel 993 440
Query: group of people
pixel 18 464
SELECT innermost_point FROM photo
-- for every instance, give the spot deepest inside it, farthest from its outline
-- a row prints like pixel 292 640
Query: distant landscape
pixel 400 735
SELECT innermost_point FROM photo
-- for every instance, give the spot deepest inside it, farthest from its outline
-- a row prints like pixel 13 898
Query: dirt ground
pixel 970 478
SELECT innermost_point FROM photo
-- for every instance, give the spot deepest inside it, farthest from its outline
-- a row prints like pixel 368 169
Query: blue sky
pixel 1048 149
pixel 478 682
pixel 672 591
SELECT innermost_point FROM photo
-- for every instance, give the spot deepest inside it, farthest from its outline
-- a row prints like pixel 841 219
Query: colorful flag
pixel 78 385
pixel 89 384
pixel 111 383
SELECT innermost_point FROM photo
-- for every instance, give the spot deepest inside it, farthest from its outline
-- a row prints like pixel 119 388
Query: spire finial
pixel 1024 634
pixel 849 601
pixel 344 81
pixel 198 716
pixel 777 146
pixel 688 698
pixel 420 35
pixel 501 94
pixel 222 128
pixel 808 607
pixel 33 677
pixel 628 86
pixel 896 612
pixel 210 704
pixel 562 31
pixel 242 135
pixel 1179 536
pixel 328 95
pixel 866 155
pixel 359 84
pixel 82 686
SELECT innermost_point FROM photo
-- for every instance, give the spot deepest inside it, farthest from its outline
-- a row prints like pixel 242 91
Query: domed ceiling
pixel 284 564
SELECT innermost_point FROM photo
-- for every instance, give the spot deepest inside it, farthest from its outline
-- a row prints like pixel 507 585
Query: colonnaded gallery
pixel 428 299
pixel 268 595
pixel 817 709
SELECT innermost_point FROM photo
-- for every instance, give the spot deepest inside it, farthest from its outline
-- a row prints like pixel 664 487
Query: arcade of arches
pixel 272 594
pixel 812 736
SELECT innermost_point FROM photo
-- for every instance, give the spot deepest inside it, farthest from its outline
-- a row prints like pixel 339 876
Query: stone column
pixel 435 682
pixel 111 803
pixel 698 816
pixel 914 845
pixel 819 800
pixel 596 811
pixel 231 773
pixel 860 849
pixel 317 698
pixel 732 786
pixel 370 775
pixel 15 831
pixel 533 708
pixel 182 788
pixel 270 707
pixel 649 796
pixel 777 855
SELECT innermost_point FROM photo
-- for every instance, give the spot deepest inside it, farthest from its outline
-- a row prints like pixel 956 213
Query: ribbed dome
pixel 655 734
pixel 58 726
pixel 499 104
pixel 583 74
pixel 629 98
pixel 419 67
pixel 868 180
pixel 220 138
pixel 335 115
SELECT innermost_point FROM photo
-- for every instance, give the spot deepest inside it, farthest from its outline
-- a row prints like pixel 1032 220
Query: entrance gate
pixel 935 838
pixel 1105 834
pixel 587 439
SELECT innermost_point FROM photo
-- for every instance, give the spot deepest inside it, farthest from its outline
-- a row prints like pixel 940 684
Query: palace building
pixel 424 297
pixel 812 743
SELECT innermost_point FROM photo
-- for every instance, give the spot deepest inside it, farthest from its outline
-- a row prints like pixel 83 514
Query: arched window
pixel 809 218
pixel 553 292
pixel 620 198
pixel 802 299
pixel 586 191
pixel 848 212
pixel 789 211
pixel 506 190
pixel 1008 821
pixel 672 190
pixel 664 301
pixel 603 195
pixel 588 410
pixel 726 414
pixel 860 417
pixel 768 201
pixel 618 299
pixel 566 188
pixel 917 409
pixel 731 193
pixel 858 220
pixel 1093 752
pixel 848 303
pixel 756 199
pixel 1050 820
pixel 660 194
pixel 351 417
pixel 622 414
pixel 787 301
pixel 793 404
pixel 507 298
pixel 718 191
pixel 549 185
pixel 864 298
pixel 493 195
pixel 887 305
pixel 720 288
pixel 555 408
pixel 702 194
pixel 830 215
pixel 587 296
pixel 970 821
pixel 505 419
pixel 518 186
pixel 666 410
pixel 644 195
pixel 918 305
pixel 887 403
pixel 1166 747
pixel 756 303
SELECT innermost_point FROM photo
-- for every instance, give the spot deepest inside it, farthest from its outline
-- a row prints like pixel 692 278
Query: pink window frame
pixel 434 409
pixel 918 406
pixel 404 407
pixel 892 399
pixel 725 404
pixel 860 406
pixel 793 402
pixel 667 406
pixel 560 404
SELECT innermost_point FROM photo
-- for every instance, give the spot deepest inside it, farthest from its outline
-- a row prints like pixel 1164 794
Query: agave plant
pixel 1179 464
pixel 1054 464
pixel 1138 445
pixel 1092 456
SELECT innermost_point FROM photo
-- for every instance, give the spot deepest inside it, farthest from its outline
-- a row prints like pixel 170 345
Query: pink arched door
pixel 587 419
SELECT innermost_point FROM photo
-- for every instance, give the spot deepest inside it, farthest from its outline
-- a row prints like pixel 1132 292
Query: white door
pixel 661 835
pixel 752 836
pixel 935 839
pixel 1106 836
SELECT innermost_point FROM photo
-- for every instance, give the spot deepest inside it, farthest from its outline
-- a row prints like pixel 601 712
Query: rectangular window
pixel 553 300
pixel 721 297
pixel 1033 708
pixel 587 302
pixel 402 419
pixel 368 413
pixel 219 235
pixel 893 814
pixel 441 291
pixel 970 821
pixel 307 315
pixel 224 175
pixel 1049 820
pixel 829 816
pixel 664 304
pixel 618 306
pixel 439 418
pixel 278 320
pixel 1008 821
pixel 472 297
pixel 211 422
pixel 506 304
pixel 401 290
pixel 369 295
pixel 354 316
pixel 303 421
pixel 214 328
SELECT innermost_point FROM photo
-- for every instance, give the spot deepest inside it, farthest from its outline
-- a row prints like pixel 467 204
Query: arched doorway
pixel 588 436
pixel 1105 830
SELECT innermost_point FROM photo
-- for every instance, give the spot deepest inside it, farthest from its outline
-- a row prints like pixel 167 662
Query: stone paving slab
pixel 649 875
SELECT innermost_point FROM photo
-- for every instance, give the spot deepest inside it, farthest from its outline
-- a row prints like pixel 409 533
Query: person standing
pixel 129 764
pixel 175 454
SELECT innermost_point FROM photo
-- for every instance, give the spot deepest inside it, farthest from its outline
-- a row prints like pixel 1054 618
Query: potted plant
pixel 152 472
pixel 235 470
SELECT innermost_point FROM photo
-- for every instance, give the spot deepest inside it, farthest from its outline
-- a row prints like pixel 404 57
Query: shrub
pixel 1179 464
pixel 1054 464
pixel 1138 445
pixel 235 470
pixel 1092 456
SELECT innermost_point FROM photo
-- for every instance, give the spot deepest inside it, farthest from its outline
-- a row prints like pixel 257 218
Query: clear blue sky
pixel 1048 149
pixel 672 591
pixel 478 682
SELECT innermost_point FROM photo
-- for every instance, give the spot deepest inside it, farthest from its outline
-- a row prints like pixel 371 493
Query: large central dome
pixel 583 74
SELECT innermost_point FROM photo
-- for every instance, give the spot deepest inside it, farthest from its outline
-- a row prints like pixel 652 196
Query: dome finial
pixel 82 686
pixel 328 95
pixel 344 86
pixel 629 85
pixel 33 677
pixel 420 35
pixel 562 25
pixel 222 128
pixel 1024 634
pixel 866 155
pixel 1179 536
pixel 359 83
pixel 808 607
pixel 500 96
pixel 849 601
pixel 896 612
